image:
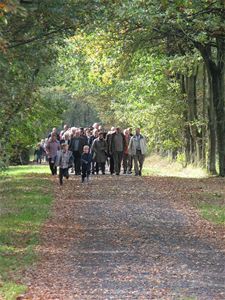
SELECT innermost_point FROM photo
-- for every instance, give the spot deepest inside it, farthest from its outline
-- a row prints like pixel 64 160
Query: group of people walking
pixel 89 150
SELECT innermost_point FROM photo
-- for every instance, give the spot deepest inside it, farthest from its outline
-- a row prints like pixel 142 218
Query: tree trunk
pixel 204 116
pixel 215 70
pixel 217 73
pixel 192 114
pixel 211 161
pixel 186 133
pixel 218 99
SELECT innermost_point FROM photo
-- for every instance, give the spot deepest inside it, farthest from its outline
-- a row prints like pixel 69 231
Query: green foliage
pixel 147 98
pixel 181 158
pixel 105 63
pixel 131 92
pixel 184 64
pixel 27 44
pixel 84 74
pixel 25 113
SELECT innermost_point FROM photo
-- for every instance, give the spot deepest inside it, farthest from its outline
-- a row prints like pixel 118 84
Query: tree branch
pixel 26 1
pixel 213 10
pixel 18 43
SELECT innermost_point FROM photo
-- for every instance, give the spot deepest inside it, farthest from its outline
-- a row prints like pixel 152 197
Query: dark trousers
pixel 38 159
pixel 63 172
pixel 117 157
pixel 93 165
pixel 100 165
pixel 131 163
pixel 86 171
pixel 52 165
pixel 77 163
pixel 111 164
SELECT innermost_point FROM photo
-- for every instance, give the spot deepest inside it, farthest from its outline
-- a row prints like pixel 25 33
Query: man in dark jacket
pixel 99 151
pixel 109 140
pixel 117 147
pixel 83 135
pixel 76 146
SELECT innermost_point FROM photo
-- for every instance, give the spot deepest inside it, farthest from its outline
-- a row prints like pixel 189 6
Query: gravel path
pixel 126 238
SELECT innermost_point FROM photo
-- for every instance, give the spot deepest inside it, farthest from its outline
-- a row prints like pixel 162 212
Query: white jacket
pixel 132 148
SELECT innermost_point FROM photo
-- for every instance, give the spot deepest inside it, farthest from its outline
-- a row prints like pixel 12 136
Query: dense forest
pixel 155 64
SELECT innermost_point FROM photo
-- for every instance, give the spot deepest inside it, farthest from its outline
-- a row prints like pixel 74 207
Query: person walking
pixel 62 132
pixel 86 159
pixel 99 153
pixel 126 155
pixel 51 149
pixel 83 136
pixel 94 136
pixel 138 148
pixel 65 139
pixel 108 140
pixel 117 147
pixel 76 146
pixel 130 156
pixel 54 131
pixel 64 160
pixel 90 138
pixel 39 153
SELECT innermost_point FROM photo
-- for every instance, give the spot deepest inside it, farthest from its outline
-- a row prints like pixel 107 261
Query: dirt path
pixel 128 238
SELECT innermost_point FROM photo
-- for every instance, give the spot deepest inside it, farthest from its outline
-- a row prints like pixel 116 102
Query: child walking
pixel 64 161
pixel 86 159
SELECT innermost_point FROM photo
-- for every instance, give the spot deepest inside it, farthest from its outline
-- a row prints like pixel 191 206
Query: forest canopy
pixel 154 64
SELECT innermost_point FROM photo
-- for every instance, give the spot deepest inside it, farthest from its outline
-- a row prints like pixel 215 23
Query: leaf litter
pixel 129 238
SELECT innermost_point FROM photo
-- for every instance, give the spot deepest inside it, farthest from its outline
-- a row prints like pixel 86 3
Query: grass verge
pixel 24 205
pixel 212 207
pixel 154 165
pixel 211 204
pixel 213 213
pixel 28 169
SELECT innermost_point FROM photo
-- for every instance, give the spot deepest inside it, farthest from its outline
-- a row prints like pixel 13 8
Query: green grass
pixel 24 206
pixel 154 165
pixel 23 170
pixel 211 205
pixel 212 212
pixel 10 290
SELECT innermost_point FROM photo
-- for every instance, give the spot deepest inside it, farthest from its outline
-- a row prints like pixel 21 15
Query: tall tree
pixel 181 24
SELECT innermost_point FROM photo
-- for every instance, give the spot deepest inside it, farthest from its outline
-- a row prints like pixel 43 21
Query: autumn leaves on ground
pixel 127 237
